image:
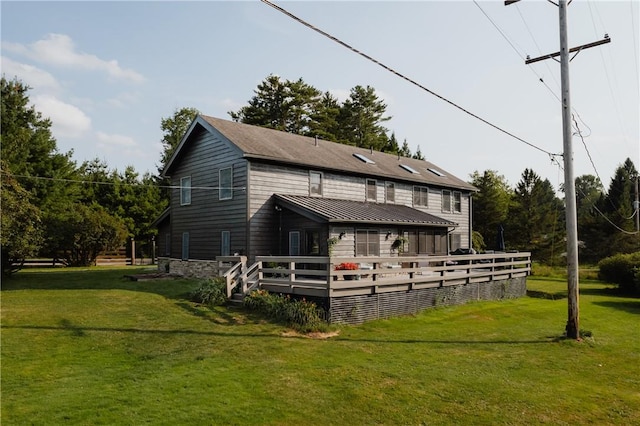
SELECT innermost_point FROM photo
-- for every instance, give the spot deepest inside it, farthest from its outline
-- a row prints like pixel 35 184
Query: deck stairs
pixel 241 280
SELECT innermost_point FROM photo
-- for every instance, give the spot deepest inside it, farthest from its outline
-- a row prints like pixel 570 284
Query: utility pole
pixel 573 321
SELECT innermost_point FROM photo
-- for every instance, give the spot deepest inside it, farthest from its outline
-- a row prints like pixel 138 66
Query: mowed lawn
pixel 91 347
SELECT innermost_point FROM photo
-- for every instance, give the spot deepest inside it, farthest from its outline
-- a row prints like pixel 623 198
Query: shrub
pixel 303 315
pixel 623 270
pixel 211 292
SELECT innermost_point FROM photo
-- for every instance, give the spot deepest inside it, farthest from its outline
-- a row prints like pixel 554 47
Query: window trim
pixel 321 179
pixel 185 191
pixel 291 235
pixel 391 185
pixel 368 232
pixel 185 246
pixel 456 202
pixel 223 191
pixel 225 240
pixel 375 189
pixel 421 189
pixel 446 193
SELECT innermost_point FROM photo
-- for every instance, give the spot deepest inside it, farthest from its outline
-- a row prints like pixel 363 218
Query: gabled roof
pixel 347 211
pixel 271 145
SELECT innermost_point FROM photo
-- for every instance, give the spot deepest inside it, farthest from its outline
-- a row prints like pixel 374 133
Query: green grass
pixel 89 347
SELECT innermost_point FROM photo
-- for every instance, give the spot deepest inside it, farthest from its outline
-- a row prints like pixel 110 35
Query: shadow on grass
pixel 98 279
pixel 546 295
pixel 79 331
pixel 632 307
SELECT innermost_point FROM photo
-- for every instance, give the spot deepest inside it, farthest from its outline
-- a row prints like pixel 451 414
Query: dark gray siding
pixel 206 217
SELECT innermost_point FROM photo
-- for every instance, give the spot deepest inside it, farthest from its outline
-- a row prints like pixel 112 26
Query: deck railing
pixel 317 276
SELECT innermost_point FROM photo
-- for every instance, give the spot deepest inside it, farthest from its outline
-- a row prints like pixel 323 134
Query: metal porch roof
pixel 348 211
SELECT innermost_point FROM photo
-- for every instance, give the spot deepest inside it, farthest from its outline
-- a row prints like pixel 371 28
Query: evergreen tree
pixel 536 220
pixel 392 146
pixel 361 118
pixel 418 155
pixel 490 204
pixel 591 226
pixel 405 151
pixel 28 148
pixel 618 207
pixel 282 105
pixel 324 121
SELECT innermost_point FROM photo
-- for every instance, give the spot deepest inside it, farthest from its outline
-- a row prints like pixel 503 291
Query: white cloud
pixel 110 142
pixel 123 100
pixel 60 50
pixel 67 120
pixel 32 76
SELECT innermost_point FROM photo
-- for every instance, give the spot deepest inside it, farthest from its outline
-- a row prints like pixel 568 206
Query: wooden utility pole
pixel 573 321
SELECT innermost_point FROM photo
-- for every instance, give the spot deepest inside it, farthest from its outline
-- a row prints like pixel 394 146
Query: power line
pixel 502 33
pixel 139 185
pixel 391 70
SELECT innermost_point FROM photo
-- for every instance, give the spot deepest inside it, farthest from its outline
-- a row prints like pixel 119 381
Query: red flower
pixel 347 267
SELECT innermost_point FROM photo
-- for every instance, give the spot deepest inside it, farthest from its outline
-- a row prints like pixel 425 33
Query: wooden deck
pixel 316 276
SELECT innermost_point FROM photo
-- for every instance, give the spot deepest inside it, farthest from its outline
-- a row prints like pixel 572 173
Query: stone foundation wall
pixel 190 268
pixel 358 309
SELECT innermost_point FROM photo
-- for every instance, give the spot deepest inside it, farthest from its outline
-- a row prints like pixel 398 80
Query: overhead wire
pixel 138 184
pixel 402 76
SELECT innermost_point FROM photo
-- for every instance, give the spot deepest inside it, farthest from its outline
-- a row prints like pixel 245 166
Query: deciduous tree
pixel 173 129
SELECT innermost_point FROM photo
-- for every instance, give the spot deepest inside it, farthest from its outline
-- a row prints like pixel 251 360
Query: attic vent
pixel 410 169
pixel 364 159
pixel 436 172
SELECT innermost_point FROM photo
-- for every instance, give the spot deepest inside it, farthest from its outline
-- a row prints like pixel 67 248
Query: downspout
pixel 470 220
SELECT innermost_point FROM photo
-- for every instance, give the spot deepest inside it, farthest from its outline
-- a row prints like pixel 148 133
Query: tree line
pixel 532 217
pixel 53 207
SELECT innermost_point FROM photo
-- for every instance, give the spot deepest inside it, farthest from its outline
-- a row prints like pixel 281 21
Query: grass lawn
pixel 90 347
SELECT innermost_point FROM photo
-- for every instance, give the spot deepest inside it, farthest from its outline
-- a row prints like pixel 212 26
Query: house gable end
pixel 198 125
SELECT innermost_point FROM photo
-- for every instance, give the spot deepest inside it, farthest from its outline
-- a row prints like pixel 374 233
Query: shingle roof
pixel 282 147
pixel 347 211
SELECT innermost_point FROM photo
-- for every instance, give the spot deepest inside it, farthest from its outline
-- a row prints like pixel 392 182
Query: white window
pixel 421 196
pixel 390 193
pixel 446 200
pixel 185 246
pixel 185 191
pixel 315 183
pixel 294 243
pixel 225 186
pixel 367 242
pixel 225 244
pixel 457 202
pixel 372 190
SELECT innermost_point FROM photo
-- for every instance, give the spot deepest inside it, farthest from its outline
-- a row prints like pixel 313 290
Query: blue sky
pixel 108 72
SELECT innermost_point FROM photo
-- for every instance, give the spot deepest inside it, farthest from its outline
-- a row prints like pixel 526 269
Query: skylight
pixel 436 172
pixel 364 159
pixel 410 169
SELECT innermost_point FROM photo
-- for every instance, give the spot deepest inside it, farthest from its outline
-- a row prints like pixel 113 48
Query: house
pixel 242 189
pixel 295 207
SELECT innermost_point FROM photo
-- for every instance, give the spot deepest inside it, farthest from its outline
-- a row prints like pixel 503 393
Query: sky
pixel 107 73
